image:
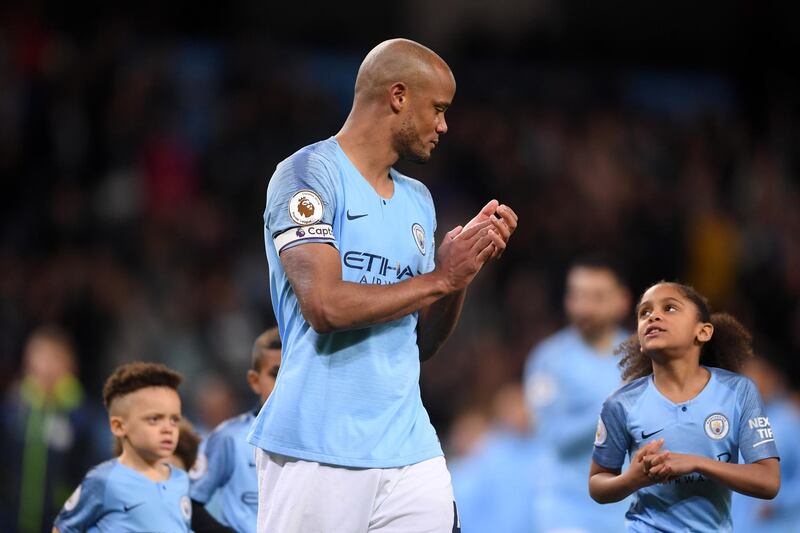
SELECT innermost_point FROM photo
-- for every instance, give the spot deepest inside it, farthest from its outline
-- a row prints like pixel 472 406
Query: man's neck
pixel 601 342
pixel 370 150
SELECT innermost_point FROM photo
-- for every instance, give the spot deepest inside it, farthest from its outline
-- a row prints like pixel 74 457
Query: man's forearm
pixel 437 321
pixel 345 305
pixel 329 303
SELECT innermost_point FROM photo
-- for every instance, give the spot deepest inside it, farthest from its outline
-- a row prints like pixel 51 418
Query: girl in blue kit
pixel 683 418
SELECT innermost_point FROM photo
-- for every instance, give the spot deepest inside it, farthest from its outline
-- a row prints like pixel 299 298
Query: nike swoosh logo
pixel 127 508
pixel 648 435
pixel 353 217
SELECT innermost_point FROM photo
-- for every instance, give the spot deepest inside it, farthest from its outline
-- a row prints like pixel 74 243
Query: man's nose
pixel 441 127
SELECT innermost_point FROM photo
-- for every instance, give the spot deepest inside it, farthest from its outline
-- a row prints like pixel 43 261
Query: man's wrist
pixel 441 285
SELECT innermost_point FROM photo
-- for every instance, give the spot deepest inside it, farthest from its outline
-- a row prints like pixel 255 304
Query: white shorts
pixel 296 496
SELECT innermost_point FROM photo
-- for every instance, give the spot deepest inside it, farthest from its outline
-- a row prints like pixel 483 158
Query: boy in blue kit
pixel 684 418
pixel 137 491
pixel 227 464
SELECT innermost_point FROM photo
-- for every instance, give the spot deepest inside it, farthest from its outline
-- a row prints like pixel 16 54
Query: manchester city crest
pixel 186 508
pixel 419 237
pixel 717 426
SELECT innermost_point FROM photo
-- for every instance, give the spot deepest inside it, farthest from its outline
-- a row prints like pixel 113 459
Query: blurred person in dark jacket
pixel 50 434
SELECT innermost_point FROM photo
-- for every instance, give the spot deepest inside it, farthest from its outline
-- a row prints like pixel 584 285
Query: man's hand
pixel 504 223
pixel 463 253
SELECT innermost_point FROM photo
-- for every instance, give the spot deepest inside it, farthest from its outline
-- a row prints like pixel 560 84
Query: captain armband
pixel 322 233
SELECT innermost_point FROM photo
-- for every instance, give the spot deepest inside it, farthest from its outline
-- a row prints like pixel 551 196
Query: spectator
pixel 52 434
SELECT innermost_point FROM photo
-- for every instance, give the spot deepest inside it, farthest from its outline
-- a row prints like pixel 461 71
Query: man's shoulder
pixel 313 167
pixel 319 153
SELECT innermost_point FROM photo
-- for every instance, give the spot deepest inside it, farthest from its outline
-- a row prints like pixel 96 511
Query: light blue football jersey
pixel 727 417
pixel 349 398
pixel 226 466
pixel 495 484
pixel 114 498
pixel 784 510
pixel 566 383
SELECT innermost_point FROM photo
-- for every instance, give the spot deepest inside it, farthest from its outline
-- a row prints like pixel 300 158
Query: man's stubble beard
pixel 407 144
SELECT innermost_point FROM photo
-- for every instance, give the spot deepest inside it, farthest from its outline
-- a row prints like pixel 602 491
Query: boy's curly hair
pixel 728 348
pixel 131 377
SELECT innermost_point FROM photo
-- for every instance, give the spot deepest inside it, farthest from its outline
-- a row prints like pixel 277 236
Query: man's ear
pixel 398 96
pixel 705 333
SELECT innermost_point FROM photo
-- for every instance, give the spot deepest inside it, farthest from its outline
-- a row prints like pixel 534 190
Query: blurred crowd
pixel 134 173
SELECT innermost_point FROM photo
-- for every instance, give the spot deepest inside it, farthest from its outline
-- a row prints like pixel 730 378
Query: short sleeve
pixel 612 440
pixel 213 468
pixel 84 508
pixel 756 441
pixel 301 202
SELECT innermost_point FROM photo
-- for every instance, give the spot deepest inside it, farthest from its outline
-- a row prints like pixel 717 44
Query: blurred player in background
pixel 344 442
pixel 781 515
pixel 494 483
pixel 567 378
pixel 50 434
pixel 139 490
pixel 683 419
pixel 227 464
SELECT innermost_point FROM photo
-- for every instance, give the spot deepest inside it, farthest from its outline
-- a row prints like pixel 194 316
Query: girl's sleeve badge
pixel 601 434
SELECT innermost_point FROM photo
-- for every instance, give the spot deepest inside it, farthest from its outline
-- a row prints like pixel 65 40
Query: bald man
pixel 344 443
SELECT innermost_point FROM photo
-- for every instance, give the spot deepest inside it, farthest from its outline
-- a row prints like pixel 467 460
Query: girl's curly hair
pixel 728 348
